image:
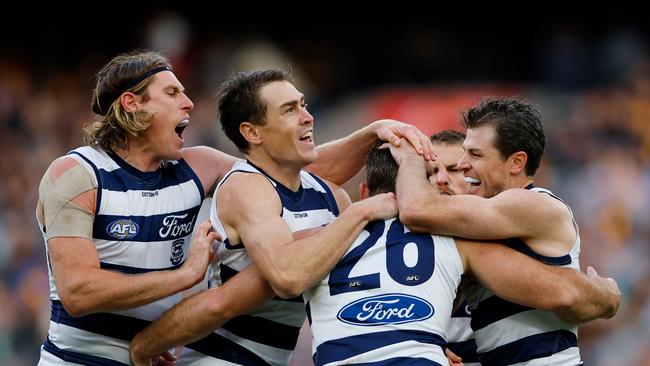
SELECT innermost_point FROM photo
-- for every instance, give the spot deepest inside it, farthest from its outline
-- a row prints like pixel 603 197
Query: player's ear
pixel 251 133
pixel 363 190
pixel 129 102
pixel 518 162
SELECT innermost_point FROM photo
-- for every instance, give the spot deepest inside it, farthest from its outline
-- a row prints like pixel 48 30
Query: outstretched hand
pixel 396 132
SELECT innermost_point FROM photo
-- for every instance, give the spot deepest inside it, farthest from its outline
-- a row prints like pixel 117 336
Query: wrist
pixel 410 159
pixel 360 211
pixel 187 277
pixel 135 350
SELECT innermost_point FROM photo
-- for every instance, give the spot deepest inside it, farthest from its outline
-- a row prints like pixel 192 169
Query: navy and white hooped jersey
pixel 143 222
pixel 510 334
pixel 268 334
pixel 460 337
pixel 388 301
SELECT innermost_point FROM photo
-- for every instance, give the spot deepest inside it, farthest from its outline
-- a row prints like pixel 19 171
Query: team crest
pixel 177 251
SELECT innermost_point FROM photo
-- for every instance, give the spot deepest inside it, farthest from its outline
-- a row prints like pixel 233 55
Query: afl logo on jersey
pixel 386 309
pixel 122 229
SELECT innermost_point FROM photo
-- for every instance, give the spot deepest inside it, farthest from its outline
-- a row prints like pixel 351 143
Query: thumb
pixel 213 235
pixel 591 272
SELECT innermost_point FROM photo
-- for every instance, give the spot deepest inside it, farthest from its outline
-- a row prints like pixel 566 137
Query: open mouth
pixel 180 127
pixel 473 183
pixel 308 137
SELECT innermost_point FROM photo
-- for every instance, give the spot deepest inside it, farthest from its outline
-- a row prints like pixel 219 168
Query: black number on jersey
pixel 341 282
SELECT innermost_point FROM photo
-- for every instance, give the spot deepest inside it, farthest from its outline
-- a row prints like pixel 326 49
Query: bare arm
pixel 199 315
pixel 82 285
pixel 505 215
pixel 209 164
pixel 86 288
pixel 340 160
pixel 518 278
pixel 290 265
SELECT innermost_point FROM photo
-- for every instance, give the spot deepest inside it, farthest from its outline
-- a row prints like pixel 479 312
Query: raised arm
pixel 290 265
pixel 518 278
pixel 199 315
pixel 506 215
pixel 66 208
pixel 340 160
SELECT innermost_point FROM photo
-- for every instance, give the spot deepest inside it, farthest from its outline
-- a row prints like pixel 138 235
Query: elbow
pixel 413 218
pixel 74 301
pixel 74 305
pixel 218 311
pixel 287 287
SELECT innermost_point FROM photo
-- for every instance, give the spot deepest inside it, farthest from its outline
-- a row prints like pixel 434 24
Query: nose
pixel 442 178
pixel 307 117
pixel 463 163
pixel 187 103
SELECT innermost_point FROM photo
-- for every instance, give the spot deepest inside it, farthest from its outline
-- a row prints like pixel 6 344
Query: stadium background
pixel 591 79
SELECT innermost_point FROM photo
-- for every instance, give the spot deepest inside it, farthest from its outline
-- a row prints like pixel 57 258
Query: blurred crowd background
pixel 591 81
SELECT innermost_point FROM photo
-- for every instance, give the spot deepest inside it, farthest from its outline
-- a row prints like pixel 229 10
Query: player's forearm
pixel 340 160
pixel 416 197
pixel 96 291
pixel 588 301
pixel 183 324
pixel 180 325
pixel 304 262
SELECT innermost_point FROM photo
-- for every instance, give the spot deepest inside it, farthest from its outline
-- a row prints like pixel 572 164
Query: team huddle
pixel 452 255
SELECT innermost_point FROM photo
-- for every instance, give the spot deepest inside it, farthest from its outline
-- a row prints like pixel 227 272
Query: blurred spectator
pixel 593 88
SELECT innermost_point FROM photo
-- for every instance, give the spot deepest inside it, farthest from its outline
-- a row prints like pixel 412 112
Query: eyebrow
pixel 293 102
pixel 175 88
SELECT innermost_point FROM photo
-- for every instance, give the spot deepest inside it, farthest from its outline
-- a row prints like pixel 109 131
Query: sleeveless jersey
pixel 511 334
pixel 388 301
pixel 460 337
pixel 143 222
pixel 267 335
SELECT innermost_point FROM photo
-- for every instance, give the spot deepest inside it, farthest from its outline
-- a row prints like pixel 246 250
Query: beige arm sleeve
pixel 62 216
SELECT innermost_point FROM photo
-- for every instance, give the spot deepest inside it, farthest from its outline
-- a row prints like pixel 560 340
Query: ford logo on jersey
pixel 122 229
pixel 386 309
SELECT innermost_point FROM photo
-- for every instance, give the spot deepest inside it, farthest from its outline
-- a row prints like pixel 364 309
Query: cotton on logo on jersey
pixel 386 309
pixel 176 226
pixel 122 229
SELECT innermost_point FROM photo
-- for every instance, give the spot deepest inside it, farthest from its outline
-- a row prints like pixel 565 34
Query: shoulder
pixel 538 209
pixel 245 195
pixel 527 199
pixel 209 164
pixel 206 155
pixel 67 164
pixel 244 185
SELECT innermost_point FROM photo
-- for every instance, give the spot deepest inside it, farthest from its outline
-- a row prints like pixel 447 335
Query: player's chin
pixel 175 153
pixel 310 156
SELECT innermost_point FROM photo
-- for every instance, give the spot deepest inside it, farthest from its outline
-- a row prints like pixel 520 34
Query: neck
pixel 284 172
pixel 139 158
pixel 521 182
